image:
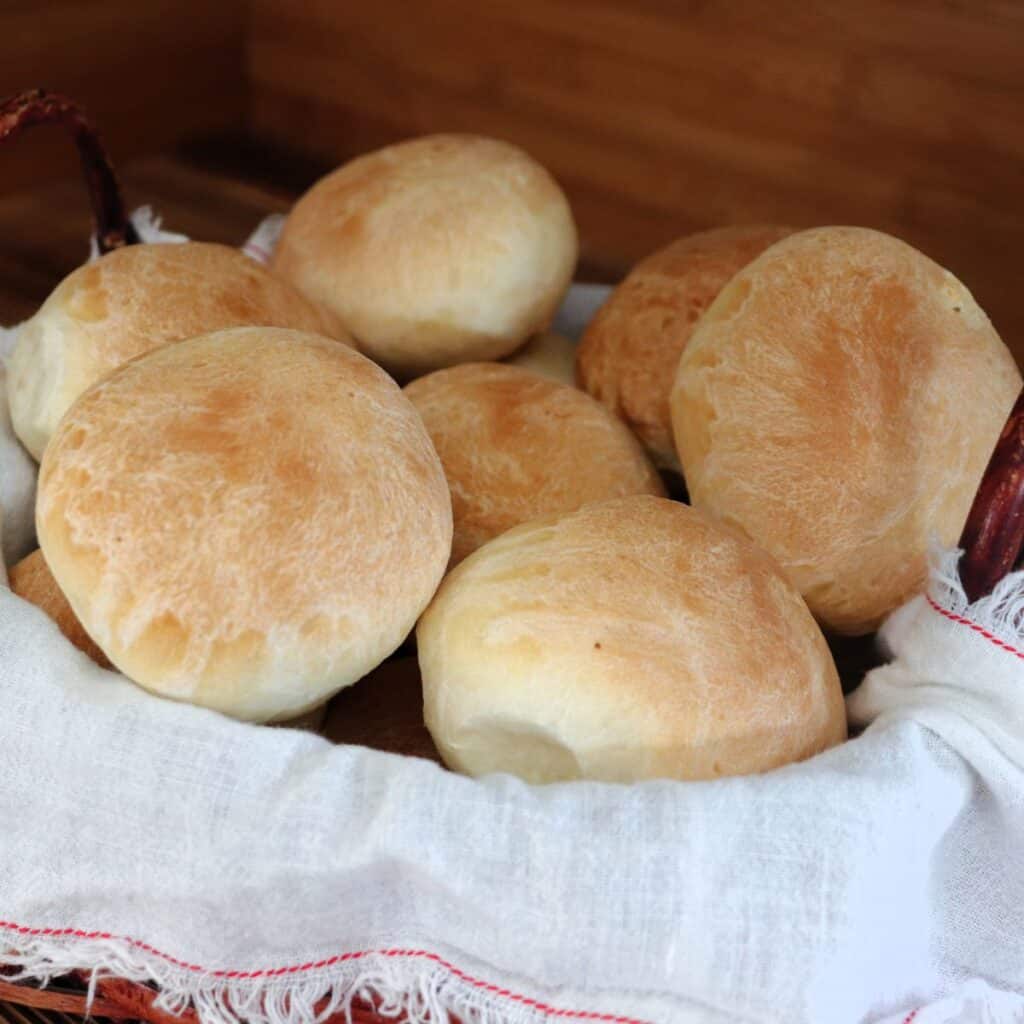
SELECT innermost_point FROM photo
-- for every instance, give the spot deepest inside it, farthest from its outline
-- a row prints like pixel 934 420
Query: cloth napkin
pixel 268 875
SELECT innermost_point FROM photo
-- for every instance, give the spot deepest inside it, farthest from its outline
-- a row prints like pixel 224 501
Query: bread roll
pixel 516 446
pixel 633 639
pixel 32 581
pixel 630 350
pixel 248 520
pixel 839 402
pixel 549 354
pixel 131 301
pixel 441 250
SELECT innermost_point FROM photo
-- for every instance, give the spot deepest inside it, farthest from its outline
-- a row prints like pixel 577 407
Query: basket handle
pixel 37 106
pixel 994 534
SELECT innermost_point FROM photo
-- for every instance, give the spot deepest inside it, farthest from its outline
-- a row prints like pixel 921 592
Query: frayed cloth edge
pixel 1001 613
pixel 395 982
pixel 149 227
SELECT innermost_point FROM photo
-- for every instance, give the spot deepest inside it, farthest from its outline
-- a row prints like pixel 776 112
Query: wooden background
pixel 665 116
pixel 660 117
pixel 150 73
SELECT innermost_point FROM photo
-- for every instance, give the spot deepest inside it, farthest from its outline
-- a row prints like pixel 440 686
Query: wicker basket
pixel 992 540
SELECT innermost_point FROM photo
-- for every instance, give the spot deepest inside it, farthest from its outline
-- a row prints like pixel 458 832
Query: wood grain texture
pixel 147 73
pixel 663 117
pixel 44 232
pixel 214 191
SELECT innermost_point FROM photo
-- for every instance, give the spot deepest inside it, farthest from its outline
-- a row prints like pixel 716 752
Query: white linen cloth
pixel 255 871
pixel 17 474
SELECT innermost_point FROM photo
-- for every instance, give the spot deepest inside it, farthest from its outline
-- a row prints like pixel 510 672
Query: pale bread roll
pixel 629 353
pixel 131 301
pixel 549 354
pixel 32 581
pixel 839 402
pixel 633 639
pixel 441 250
pixel 516 446
pixel 249 520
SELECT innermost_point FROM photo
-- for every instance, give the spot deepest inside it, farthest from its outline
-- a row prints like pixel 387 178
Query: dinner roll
pixel 630 350
pixel 632 639
pixel 131 301
pixel 249 520
pixel 441 250
pixel 550 354
pixel 32 581
pixel 839 402
pixel 516 446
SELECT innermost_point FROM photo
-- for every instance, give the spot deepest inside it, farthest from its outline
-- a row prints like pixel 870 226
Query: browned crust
pixel 630 352
pixel 32 581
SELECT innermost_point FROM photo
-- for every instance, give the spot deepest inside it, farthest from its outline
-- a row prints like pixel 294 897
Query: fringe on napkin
pixel 1001 613
pixel 417 986
pixel 147 225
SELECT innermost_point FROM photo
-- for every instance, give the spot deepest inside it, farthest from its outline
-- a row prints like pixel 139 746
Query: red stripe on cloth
pixel 961 621
pixel 910 1017
pixel 275 972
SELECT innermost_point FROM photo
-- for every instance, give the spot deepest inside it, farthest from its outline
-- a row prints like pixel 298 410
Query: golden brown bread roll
pixel 32 580
pixel 249 520
pixel 549 354
pixel 632 639
pixel 436 251
pixel 839 402
pixel 131 301
pixel 630 350
pixel 516 446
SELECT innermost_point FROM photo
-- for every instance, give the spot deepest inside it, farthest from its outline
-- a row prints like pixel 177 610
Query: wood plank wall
pixel 666 116
pixel 148 73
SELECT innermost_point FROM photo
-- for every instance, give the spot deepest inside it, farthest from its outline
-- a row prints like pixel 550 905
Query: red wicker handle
pixel 58 1000
pixel 994 534
pixel 36 106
